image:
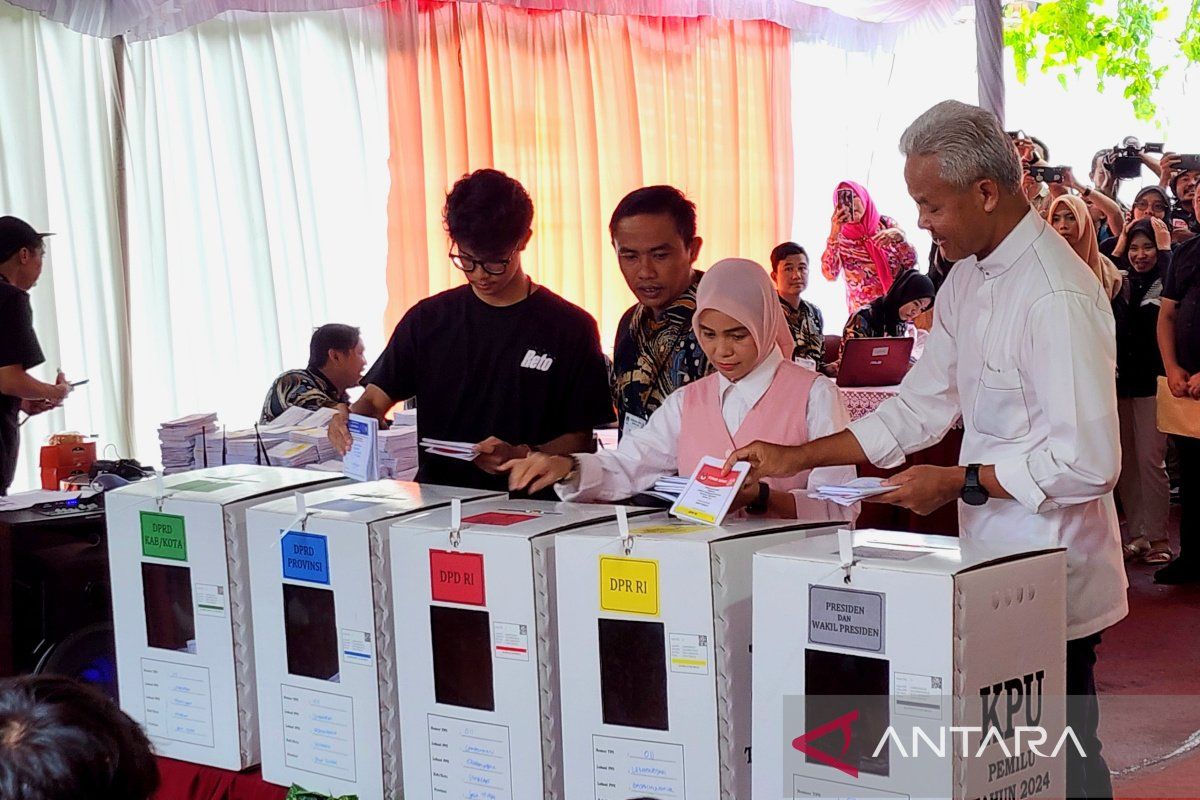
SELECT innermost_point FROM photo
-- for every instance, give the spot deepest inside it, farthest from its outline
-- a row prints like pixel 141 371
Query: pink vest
pixel 779 416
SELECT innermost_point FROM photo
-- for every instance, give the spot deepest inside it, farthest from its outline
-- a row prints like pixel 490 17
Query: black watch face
pixel 974 496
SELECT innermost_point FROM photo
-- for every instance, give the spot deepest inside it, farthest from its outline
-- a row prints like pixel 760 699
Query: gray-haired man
pixel 1023 348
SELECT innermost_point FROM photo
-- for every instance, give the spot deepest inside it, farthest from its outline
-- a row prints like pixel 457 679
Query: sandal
pixel 1138 548
pixel 1158 555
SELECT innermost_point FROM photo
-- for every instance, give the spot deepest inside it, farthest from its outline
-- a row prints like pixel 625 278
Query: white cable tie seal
pixel 623 529
pixel 455 523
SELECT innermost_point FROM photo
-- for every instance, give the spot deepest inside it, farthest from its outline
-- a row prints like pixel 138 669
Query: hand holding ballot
pixel 338 432
pixel 495 453
pixel 536 472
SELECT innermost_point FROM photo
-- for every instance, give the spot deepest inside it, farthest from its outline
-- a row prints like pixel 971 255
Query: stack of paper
pixel 463 451
pixel 668 488
pixel 178 439
pixel 405 417
pixel 292 454
pixel 397 451
pixel 328 466
pixel 318 437
pixel 847 494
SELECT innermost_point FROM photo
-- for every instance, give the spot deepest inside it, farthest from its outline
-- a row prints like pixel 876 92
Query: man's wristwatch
pixel 972 492
pixel 759 506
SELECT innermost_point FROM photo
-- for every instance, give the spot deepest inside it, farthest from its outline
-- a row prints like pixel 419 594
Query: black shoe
pixel 1179 571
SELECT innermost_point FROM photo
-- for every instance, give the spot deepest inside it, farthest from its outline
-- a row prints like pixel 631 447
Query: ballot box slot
pixel 852 691
pixel 310 632
pixel 461 640
pixel 633 673
pixel 170 617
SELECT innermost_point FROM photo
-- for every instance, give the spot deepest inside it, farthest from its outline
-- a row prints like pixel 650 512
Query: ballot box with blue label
pixel 479 702
pixel 898 665
pixel 181 606
pixel 326 668
pixel 654 648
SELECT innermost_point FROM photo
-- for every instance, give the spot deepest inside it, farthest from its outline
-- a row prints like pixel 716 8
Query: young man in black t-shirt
pixel 21 254
pixel 500 362
pixel 1179 343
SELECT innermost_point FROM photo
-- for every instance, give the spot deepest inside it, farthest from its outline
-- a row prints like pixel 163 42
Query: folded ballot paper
pixel 463 451
pixel 847 494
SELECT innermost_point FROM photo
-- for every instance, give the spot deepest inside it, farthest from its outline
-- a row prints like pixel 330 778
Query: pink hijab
pixel 743 290
pixel 864 231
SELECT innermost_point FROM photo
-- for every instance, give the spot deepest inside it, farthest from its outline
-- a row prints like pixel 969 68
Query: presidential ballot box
pixel 479 703
pixel 181 607
pixel 895 665
pixel 654 648
pixel 326 667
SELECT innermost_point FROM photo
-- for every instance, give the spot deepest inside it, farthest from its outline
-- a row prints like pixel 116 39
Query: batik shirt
pixel 808 330
pixel 654 357
pixel 307 388
pixel 850 258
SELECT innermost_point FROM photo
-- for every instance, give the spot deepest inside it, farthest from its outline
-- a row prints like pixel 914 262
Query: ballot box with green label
pixel 479 703
pixel 654 648
pixel 326 668
pixel 896 665
pixel 181 607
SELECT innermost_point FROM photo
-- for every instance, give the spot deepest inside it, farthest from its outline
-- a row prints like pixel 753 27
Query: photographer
pixel 1150 202
pixel 1182 183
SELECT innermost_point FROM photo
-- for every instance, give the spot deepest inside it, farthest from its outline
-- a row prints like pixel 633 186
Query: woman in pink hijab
pixel 755 393
pixel 868 249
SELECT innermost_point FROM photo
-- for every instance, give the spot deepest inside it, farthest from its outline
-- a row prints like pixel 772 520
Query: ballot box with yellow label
pixel 326 668
pixel 181 607
pixel 897 665
pixel 654 644
pixel 479 702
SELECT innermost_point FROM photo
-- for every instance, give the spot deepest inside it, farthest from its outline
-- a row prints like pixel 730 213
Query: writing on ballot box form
pixel 896 665
pixel 181 607
pixel 326 673
pixel 654 644
pixel 479 702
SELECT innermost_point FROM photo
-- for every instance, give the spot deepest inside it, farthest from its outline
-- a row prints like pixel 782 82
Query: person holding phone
pixel 22 254
pixel 868 249
pixel 1181 173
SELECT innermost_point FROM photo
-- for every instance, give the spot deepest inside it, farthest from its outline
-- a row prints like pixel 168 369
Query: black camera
pixel 1046 174
pixel 1125 160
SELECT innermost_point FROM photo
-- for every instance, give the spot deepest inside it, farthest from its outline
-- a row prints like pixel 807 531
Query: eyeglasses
pixel 468 264
pixel 1142 205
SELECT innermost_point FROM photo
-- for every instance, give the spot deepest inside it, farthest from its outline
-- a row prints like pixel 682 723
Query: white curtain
pixel 258 183
pixel 848 111
pixel 57 173
pixel 852 24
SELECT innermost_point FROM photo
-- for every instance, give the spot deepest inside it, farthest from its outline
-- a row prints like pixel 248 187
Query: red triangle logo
pixel 804 743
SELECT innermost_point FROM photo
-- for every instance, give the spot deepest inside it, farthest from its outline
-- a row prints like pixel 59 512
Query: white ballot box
pixel 326 673
pixel 479 703
pixel 181 607
pixel 654 648
pixel 896 665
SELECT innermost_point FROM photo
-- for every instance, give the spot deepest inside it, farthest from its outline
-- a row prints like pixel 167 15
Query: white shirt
pixel 649 453
pixel 1023 346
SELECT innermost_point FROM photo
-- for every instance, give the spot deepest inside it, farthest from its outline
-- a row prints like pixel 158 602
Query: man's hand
pixel 35 407
pixel 338 433
pixel 747 494
pixel 535 472
pixel 768 460
pixel 1178 381
pixel 923 489
pixel 1194 386
pixel 495 453
pixel 1167 166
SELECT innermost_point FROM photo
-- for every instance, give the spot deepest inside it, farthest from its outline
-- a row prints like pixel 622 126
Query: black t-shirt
pixel 525 373
pixel 1183 286
pixel 18 346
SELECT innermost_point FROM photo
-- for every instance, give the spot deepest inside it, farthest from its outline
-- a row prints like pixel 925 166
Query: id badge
pixel 632 423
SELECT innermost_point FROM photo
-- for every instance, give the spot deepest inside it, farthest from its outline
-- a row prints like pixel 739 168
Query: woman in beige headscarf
pixel 1069 216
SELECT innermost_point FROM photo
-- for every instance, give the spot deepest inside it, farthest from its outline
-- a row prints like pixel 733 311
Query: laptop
pixel 874 362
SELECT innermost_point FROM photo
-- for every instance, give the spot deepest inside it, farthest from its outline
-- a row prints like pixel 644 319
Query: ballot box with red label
pixel 181 606
pixel 896 665
pixel 326 667
pixel 479 702
pixel 654 643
